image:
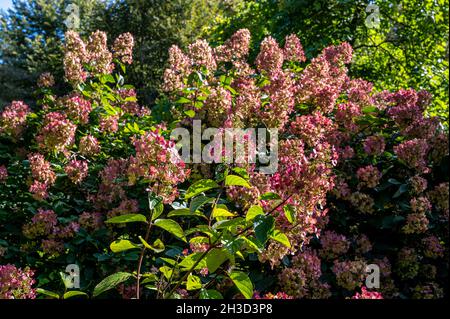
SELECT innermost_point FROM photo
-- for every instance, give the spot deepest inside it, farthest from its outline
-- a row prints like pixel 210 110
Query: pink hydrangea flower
pixel 16 283
pixel 77 170
pixel 13 119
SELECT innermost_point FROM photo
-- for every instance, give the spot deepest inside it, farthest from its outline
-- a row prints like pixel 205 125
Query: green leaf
pixel 369 109
pixel 74 293
pixel 189 261
pixel 170 226
pixel 289 213
pixel 200 187
pixel 221 212
pixel 157 247
pixel 157 210
pixel 253 212
pixel 190 113
pixel 263 226
pixel 47 293
pixel 215 258
pixel 238 221
pixel 394 181
pixel 243 283
pixel 193 282
pixel 402 189
pixel 199 201
pixel 242 172
pixel 210 294
pixel 166 271
pixel 122 245
pixel 281 238
pixel 111 282
pixel 184 212
pixel 182 100
pixel 129 218
pixel 234 180
pixel 153 201
pixel 269 196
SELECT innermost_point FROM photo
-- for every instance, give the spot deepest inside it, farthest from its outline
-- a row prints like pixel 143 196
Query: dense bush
pixel 94 179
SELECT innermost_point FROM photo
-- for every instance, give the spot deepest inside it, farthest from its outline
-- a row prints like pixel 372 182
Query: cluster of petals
pixel 13 119
pixel 16 283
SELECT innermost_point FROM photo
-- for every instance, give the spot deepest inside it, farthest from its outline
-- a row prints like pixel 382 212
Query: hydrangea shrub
pixel 93 178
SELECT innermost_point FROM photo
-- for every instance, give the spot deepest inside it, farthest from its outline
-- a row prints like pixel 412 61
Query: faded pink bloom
pixel 13 119
pixel 432 247
pixel 158 162
pixel 270 58
pixel 3 174
pixel 413 154
pixel 123 48
pixel 293 49
pixel 236 47
pixel 77 108
pixel 349 274
pixel 46 80
pixel 16 283
pixel 57 133
pixel 89 146
pixel 201 54
pixel 100 58
pixel 109 124
pixel 374 145
pixel 369 176
pixel 333 245
pixel 76 170
pixel 91 221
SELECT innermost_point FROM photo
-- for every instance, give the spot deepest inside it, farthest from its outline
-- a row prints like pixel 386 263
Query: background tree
pixel 30 34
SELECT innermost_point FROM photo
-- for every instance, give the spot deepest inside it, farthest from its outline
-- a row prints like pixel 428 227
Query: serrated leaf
pixel 182 100
pixel 190 113
pixel 122 245
pixel 269 196
pixel 129 218
pixel 184 212
pixel 158 210
pixel 221 212
pixel 171 226
pixel 241 172
pixel 166 271
pixel 200 187
pixel 199 201
pixel 289 213
pixel 402 189
pixel 234 180
pixel 189 261
pixel 263 226
pixel 47 293
pixel 281 238
pixel 111 282
pixel 210 294
pixel 215 258
pixel 74 293
pixel 243 283
pixel 193 282
pixel 253 212
pixel 157 247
